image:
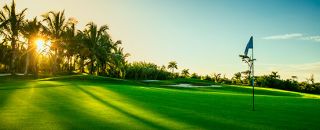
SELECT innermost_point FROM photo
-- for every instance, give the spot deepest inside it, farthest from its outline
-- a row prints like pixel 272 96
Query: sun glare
pixel 42 46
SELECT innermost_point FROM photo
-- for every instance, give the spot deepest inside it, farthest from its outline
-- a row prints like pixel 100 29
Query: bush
pixel 144 70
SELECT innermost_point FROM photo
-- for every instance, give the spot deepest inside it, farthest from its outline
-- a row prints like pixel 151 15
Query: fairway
pixel 84 102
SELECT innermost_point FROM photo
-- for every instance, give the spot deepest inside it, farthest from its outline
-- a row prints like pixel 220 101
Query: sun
pixel 42 46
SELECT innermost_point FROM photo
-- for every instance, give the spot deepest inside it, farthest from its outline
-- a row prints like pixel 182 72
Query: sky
pixel 205 36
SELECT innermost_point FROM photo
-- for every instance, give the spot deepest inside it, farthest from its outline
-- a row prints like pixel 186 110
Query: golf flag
pixel 249 46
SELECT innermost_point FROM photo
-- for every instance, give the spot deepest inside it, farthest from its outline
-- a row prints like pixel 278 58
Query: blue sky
pixel 206 36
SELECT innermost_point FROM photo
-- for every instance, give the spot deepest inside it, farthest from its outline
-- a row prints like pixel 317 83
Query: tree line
pixel 92 50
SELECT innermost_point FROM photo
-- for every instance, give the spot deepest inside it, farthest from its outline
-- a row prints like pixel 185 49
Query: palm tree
pixel 274 75
pixel 55 27
pixel 119 59
pixel 311 79
pixel 104 52
pixel 172 65
pixel 237 77
pixel 82 50
pixel 3 22
pixel 185 73
pixel 71 42
pixel 92 36
pixel 31 32
pixel 12 23
pixel 217 77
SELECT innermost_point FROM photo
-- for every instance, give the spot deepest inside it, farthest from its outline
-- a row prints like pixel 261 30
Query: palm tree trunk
pixel 81 64
pixel 27 64
pixel 69 63
pixel 91 67
pixel 35 65
pixel 74 63
pixel 27 59
pixel 54 65
pixel 13 59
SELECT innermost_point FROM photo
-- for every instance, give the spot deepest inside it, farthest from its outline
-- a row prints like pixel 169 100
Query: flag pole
pixel 250 61
pixel 252 78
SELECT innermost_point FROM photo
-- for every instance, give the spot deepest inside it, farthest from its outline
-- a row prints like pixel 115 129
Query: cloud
pixel 285 36
pixel 312 38
pixel 294 36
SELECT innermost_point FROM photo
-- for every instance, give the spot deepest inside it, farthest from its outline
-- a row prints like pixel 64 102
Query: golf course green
pixel 91 102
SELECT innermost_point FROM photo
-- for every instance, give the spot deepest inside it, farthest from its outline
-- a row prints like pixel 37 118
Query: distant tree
pixel 207 77
pixel 185 73
pixel 172 65
pixel 274 75
pixel 195 76
pixel 237 78
pixel 311 79
pixel 246 77
pixel 225 80
pixel 217 77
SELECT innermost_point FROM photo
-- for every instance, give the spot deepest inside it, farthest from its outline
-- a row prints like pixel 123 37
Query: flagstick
pixel 252 71
pixel 250 62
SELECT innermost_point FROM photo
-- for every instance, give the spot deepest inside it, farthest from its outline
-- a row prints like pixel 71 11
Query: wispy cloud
pixel 312 38
pixel 285 36
pixel 295 36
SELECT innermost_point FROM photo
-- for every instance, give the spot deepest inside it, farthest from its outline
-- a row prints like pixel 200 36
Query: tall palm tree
pixel 172 65
pixel 71 42
pixel 31 32
pixel 103 52
pixel 92 36
pixel 12 23
pixel 82 49
pixel 55 26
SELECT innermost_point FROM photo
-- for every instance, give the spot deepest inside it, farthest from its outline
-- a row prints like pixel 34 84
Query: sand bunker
pixel 192 86
pixel 150 80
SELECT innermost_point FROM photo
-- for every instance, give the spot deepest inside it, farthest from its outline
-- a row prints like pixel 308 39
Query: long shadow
pixel 68 114
pixel 53 86
pixel 90 78
pixel 107 104
pixel 5 95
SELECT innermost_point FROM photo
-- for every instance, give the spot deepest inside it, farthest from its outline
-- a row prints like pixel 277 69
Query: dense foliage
pixel 144 70
pixel 53 45
pixel 273 81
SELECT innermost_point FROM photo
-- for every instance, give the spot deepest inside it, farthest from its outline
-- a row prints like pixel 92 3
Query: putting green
pixel 86 102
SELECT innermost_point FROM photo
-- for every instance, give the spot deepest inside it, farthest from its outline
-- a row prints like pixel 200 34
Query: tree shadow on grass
pixel 8 88
pixel 46 86
pixel 121 110
pixel 52 109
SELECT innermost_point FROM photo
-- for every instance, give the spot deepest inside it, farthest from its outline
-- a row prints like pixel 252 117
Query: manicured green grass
pixel 87 102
